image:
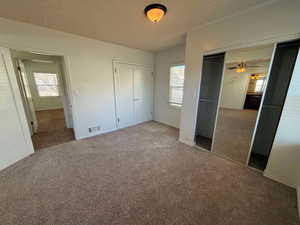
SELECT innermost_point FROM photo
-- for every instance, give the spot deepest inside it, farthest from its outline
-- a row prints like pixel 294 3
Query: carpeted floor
pixel 234 132
pixel 139 176
pixel 52 129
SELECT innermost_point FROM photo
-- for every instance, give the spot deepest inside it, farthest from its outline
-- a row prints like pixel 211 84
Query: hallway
pixel 52 129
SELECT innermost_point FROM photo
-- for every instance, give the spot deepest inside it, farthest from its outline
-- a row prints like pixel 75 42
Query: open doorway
pixel 43 87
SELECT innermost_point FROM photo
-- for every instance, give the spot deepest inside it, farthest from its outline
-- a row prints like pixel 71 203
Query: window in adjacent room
pixel 47 84
pixel 259 85
pixel 176 85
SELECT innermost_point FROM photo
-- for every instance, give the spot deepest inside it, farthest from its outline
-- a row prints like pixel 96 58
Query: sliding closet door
pixel 280 77
pixel 208 99
pixel 134 94
pixel 124 95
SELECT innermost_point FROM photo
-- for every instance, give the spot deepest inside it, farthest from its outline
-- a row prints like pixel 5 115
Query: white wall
pixel 89 64
pixel 43 103
pixel 275 22
pixel 163 112
pixel 235 85
pixel 284 160
pixel 234 90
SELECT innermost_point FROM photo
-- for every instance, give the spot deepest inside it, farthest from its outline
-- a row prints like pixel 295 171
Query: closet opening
pixel 211 78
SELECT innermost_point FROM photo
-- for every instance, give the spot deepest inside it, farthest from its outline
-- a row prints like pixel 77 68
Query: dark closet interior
pixel 277 87
pixel 212 71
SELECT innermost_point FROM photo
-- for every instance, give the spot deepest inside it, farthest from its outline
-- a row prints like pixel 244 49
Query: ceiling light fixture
pixel 241 68
pixel 155 12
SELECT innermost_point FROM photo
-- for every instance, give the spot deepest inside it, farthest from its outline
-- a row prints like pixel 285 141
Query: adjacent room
pixel 142 112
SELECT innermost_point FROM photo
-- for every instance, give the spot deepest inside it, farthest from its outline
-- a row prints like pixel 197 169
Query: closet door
pixel 124 95
pixel 212 72
pixel 134 94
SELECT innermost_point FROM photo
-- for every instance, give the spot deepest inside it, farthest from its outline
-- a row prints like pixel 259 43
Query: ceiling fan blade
pixel 232 68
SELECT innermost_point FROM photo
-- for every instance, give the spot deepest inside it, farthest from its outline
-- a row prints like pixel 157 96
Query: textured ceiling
pixel 123 21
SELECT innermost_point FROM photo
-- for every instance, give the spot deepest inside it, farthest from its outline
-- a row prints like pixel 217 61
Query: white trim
pixel 219 103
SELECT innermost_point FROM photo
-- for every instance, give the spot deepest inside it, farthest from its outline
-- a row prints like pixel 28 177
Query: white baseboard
pixel 298 198
pixel 48 108
pixel 96 133
pixel 187 141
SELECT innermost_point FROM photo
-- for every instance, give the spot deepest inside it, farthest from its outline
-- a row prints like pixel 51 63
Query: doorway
pixel 43 87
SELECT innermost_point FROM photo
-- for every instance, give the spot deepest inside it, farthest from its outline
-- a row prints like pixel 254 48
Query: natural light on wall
pixel 46 84
pixel 176 85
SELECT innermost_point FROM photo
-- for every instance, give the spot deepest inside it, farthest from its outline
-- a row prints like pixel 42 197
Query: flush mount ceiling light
pixel 155 12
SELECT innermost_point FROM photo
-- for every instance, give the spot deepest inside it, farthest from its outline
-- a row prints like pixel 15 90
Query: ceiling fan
pixel 241 67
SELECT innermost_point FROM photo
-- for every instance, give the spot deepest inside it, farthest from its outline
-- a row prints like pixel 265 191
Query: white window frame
pixel 172 104
pixel 37 89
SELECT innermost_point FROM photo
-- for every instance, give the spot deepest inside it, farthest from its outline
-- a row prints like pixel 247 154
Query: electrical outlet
pixel 94 129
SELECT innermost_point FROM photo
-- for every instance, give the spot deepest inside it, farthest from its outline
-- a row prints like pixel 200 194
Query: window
pixel 47 84
pixel 259 85
pixel 176 85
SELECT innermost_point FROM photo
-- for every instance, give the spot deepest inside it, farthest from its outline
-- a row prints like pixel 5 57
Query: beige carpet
pixel 234 132
pixel 139 176
pixel 52 129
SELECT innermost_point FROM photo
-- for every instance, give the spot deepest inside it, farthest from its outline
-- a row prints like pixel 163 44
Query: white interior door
pixel 15 137
pixel 124 95
pixel 134 94
pixel 143 94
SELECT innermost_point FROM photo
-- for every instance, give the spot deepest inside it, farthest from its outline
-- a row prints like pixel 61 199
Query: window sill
pixel 174 106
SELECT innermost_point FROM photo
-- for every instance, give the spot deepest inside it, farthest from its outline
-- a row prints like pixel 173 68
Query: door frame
pixel 65 62
pixel 115 63
pixel 32 121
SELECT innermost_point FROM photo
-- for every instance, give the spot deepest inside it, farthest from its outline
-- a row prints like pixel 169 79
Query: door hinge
pixel 19 68
pixel 118 120
pixel 115 70
pixel 31 123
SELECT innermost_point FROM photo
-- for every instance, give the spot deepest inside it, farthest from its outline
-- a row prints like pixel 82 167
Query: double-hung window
pixel 176 85
pixel 47 84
